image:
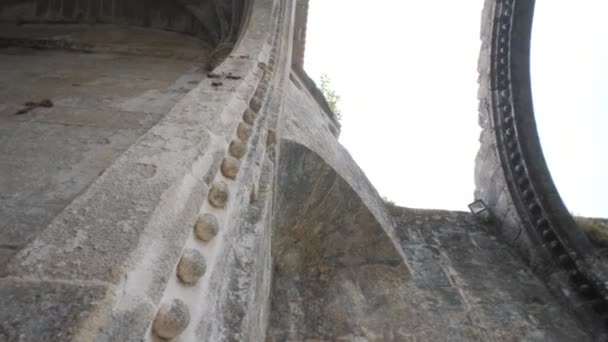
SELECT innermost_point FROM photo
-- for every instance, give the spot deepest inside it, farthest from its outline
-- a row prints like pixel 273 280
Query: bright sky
pixel 570 85
pixel 407 75
pixel 406 72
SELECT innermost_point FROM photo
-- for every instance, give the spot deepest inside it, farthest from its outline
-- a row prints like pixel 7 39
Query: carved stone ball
pixel 171 319
pixel 260 92
pixel 249 116
pixel 218 194
pixel 206 227
pixel 244 131
pixel 264 84
pixel 191 267
pixel 230 167
pixel 255 104
pixel 237 148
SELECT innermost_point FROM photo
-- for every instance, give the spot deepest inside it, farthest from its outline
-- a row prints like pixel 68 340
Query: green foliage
pixel 596 229
pixel 330 95
pixel 388 201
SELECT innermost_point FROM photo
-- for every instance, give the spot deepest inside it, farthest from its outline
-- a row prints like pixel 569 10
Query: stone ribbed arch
pixel 511 174
pixel 336 270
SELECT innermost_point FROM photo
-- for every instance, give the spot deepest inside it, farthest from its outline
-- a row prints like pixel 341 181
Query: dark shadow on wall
pixel 127 26
pixel 215 21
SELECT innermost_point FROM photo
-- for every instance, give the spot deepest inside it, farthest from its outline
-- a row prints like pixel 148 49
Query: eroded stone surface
pixel 46 311
pixel 102 103
pixel 338 276
pixel 337 273
pixel 468 268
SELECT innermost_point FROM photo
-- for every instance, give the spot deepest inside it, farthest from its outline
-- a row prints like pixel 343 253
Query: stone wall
pixel 338 275
pixel 100 105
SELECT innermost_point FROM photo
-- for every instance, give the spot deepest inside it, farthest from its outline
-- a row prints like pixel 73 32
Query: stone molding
pixel 511 174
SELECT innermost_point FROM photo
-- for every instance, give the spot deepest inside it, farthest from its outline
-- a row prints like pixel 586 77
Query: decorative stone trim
pixel 529 183
pixel 192 266
pixel 230 167
pixel 219 194
pixel 244 131
pixel 206 227
pixel 237 148
pixel 171 319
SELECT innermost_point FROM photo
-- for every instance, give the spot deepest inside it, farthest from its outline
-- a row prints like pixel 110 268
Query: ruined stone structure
pixel 170 172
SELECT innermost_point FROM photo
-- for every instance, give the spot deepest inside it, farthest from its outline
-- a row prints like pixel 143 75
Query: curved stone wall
pixel 511 175
pixel 132 257
pixel 213 20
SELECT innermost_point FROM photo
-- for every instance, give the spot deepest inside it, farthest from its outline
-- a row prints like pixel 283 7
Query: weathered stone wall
pixel 345 267
pixel 101 104
pixel 334 263
pixel 338 275
pixel 477 287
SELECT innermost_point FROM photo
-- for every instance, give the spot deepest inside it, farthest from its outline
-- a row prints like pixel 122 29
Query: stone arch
pixel 511 176
pixel 336 271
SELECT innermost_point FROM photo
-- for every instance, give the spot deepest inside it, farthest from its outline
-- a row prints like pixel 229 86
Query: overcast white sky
pixel 407 75
pixel 570 85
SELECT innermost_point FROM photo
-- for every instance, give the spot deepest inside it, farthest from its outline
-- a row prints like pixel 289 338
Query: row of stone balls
pixel 172 319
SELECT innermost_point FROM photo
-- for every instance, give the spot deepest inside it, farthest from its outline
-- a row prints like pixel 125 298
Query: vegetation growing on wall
pixel 331 97
pixel 596 229
pixel 388 201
